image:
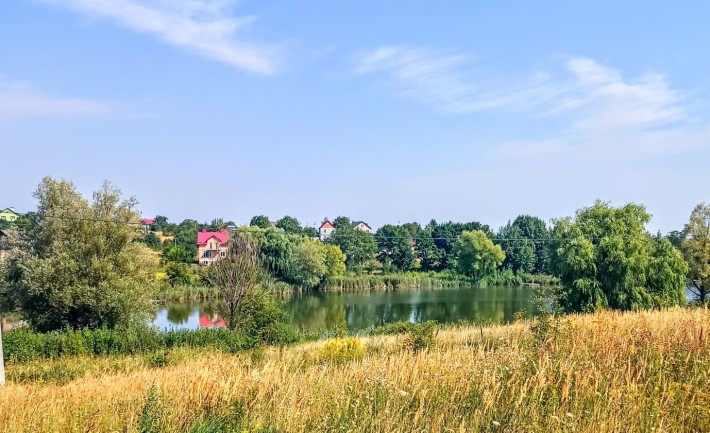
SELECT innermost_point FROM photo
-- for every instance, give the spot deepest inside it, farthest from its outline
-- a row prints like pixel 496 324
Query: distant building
pixel 147 223
pixel 362 226
pixel 9 215
pixel 211 246
pixel 325 231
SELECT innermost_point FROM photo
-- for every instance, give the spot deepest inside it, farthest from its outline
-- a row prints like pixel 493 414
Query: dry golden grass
pixel 609 372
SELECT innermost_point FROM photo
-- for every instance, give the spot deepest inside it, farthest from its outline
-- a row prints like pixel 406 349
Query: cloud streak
pixel 206 27
pixel 601 111
pixel 452 82
pixel 18 100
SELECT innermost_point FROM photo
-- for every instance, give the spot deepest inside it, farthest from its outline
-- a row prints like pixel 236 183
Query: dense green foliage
pixel 525 243
pixel 261 221
pixel 289 224
pixel 79 263
pixel 22 345
pixel 476 255
pixel 309 266
pixel 435 245
pixel 395 246
pixel 606 259
pixel 359 247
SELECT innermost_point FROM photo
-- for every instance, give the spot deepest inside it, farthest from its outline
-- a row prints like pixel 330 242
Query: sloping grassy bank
pixel 608 372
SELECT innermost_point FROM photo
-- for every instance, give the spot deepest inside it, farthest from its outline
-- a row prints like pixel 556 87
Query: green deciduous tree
pixel 696 248
pixel 152 241
pixel 309 267
pixel 437 246
pixel 290 225
pixel 477 255
pixel 520 252
pixel 186 238
pixel 261 221
pixel 178 273
pixel 395 247
pixel 176 254
pixel 276 251
pixel 84 264
pixel 334 261
pixel 605 258
pixel 342 222
pixel 536 232
pixel 358 246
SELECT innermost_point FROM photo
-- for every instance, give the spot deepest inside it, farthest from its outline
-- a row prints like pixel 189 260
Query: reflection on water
pixel 359 311
pixel 189 315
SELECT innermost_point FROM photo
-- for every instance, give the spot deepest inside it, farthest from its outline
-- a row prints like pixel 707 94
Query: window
pixel 223 254
pixel 2 218
pixel 12 218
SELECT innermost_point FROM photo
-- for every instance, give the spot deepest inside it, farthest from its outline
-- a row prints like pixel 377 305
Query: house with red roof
pixel 147 223
pixel 325 231
pixel 211 246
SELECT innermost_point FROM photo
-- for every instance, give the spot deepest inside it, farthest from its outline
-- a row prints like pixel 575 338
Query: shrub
pixel 178 273
pixel 339 350
pixel 391 328
pixel 421 336
pixel 265 318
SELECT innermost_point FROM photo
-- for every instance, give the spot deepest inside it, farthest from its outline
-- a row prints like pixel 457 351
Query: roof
pixel 9 210
pixel 150 221
pixel 204 236
pixel 326 225
pixel 357 223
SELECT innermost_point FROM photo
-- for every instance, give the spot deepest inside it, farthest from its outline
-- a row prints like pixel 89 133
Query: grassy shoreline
pixel 365 283
pixel 606 372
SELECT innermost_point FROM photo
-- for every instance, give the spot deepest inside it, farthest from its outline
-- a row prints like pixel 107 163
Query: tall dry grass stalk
pixel 608 372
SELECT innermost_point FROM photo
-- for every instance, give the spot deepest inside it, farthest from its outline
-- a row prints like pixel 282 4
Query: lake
pixel 359 311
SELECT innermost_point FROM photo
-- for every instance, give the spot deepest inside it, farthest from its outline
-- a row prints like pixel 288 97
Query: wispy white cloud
pixel 453 82
pixel 598 110
pixel 22 100
pixel 207 27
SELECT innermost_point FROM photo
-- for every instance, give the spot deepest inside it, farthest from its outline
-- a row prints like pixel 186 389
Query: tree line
pixel 94 267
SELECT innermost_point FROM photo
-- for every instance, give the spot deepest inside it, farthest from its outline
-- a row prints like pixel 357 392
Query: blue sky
pixel 382 111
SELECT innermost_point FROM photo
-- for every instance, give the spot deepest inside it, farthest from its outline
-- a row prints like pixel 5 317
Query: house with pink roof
pixel 211 246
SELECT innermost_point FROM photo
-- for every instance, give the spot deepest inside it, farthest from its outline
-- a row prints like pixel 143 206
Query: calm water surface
pixel 359 311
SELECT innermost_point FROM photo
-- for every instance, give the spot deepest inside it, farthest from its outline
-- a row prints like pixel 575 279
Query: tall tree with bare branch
pixel 236 276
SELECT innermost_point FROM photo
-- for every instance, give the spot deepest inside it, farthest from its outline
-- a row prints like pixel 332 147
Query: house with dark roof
pixel 325 231
pixel 362 226
pixel 211 246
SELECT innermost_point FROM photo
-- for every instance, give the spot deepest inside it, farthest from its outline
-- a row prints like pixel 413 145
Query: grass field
pixel 608 372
